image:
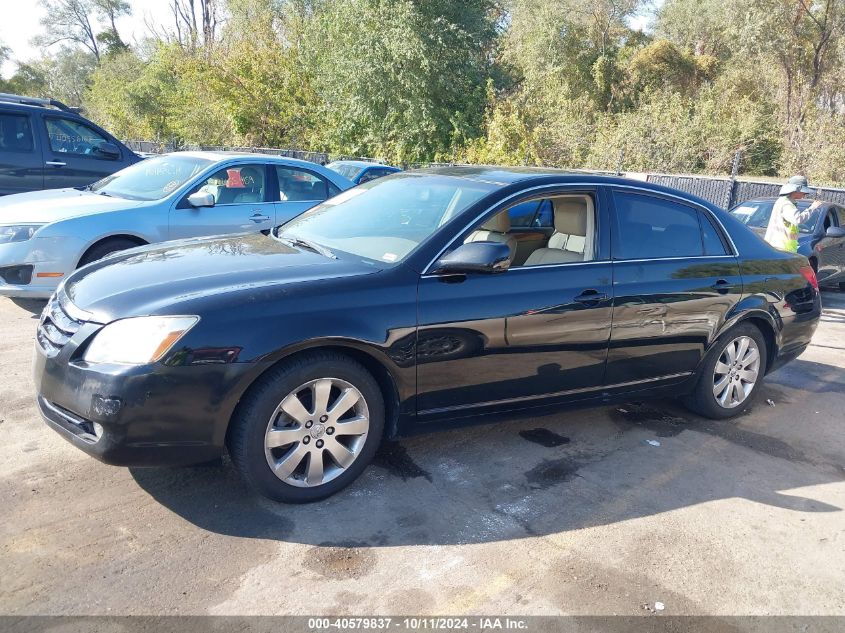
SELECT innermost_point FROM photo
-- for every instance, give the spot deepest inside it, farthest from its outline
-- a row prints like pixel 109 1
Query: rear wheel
pixel 106 247
pixel 308 428
pixel 731 374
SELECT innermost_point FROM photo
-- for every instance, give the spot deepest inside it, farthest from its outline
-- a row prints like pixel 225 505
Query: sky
pixel 19 25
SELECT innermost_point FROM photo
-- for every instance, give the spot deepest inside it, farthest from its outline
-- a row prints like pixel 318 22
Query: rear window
pixel 649 227
pixel 15 133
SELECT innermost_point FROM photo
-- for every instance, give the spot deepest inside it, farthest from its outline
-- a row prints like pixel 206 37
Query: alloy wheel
pixel 736 372
pixel 316 432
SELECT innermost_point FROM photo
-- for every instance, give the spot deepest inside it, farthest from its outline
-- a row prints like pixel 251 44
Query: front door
pixel 241 204
pixel 675 280
pixel 21 165
pixel 830 250
pixel 71 158
pixel 535 333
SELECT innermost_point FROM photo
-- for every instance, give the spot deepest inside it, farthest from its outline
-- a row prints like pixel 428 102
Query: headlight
pixel 17 232
pixel 138 340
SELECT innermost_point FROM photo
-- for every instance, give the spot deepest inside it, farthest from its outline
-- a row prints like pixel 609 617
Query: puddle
pixel 544 437
pixel 394 458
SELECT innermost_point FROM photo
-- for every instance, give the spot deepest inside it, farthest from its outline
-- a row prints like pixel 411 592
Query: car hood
pixel 163 278
pixel 43 207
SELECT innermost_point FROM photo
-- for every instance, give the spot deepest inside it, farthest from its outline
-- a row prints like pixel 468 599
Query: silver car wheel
pixel 736 372
pixel 316 432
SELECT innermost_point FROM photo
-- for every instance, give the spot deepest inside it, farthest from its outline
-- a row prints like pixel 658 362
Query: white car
pixel 46 235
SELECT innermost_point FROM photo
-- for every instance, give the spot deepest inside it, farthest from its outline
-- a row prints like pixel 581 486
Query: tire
pixel 107 247
pixel 708 399
pixel 260 429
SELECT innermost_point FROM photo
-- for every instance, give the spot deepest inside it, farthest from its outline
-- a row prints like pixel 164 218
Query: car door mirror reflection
pixel 475 257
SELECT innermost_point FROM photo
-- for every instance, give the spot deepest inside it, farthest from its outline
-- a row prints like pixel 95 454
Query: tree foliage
pixel 557 82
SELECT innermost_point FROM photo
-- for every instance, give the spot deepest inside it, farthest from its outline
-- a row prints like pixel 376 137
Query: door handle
pixel 722 286
pixel 258 218
pixel 55 163
pixel 590 296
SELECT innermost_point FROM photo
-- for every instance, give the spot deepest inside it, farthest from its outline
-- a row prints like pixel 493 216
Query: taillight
pixel 810 275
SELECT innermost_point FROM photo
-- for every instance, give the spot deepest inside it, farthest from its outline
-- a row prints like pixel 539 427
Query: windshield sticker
pixel 389 257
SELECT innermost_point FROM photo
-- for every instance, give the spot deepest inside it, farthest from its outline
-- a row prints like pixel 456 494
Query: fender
pixel 399 388
pixel 754 306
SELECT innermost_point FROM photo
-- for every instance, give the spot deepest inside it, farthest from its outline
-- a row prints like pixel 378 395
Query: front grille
pixel 56 327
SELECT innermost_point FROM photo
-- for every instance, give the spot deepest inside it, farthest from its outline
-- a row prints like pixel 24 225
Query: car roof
pixel 503 176
pixel 359 163
pixel 45 109
pixel 218 155
pixel 804 202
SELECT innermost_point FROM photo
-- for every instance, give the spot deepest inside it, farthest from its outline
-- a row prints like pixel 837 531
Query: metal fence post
pixel 731 193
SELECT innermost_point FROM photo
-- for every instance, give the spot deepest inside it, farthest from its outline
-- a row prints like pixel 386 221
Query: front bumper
pixel 150 415
pixel 53 256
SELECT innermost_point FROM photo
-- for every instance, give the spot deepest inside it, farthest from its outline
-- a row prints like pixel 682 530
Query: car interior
pixel 300 186
pixel 242 185
pixel 570 240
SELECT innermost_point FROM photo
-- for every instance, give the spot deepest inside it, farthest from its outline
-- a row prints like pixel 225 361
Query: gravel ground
pixel 567 514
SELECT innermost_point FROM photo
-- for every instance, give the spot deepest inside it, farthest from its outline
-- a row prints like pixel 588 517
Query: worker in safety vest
pixel 782 232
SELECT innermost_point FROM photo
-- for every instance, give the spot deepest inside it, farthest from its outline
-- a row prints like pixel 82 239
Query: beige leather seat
pixel 495 230
pixel 568 242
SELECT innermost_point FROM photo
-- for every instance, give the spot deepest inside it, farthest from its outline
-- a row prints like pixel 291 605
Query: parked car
pixel 46 235
pixel 407 304
pixel 821 238
pixel 45 144
pixel 361 171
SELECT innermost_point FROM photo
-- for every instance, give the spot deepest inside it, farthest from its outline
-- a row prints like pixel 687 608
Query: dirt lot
pixel 567 514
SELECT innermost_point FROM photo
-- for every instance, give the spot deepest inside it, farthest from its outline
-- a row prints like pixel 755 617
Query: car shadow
pixel 33 306
pixel 518 479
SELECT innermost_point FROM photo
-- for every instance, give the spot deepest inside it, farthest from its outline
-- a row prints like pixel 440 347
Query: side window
pixel 523 213
pixel 298 185
pixel 840 211
pixel 243 184
pixel 545 218
pixel 650 227
pixel 713 242
pixel 72 137
pixel 15 133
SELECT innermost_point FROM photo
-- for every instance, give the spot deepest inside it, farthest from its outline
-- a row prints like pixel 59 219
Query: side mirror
pixel 475 257
pixel 107 150
pixel 835 232
pixel 201 199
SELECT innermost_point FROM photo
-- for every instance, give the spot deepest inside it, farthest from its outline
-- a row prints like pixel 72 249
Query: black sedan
pixel 821 239
pixel 412 303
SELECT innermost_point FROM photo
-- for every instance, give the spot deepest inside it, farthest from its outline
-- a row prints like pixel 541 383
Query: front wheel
pixel 308 428
pixel 731 374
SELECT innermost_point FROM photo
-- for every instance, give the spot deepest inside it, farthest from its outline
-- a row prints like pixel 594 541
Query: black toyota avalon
pixel 423 300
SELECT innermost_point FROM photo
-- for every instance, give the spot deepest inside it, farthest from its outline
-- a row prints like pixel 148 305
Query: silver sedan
pixel 45 235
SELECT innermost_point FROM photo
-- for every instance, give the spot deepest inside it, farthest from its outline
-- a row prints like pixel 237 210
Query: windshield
pixel 756 214
pixel 152 178
pixel 386 219
pixel 345 170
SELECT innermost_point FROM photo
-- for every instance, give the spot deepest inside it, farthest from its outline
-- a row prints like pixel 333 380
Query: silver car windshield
pixel 386 219
pixel 151 179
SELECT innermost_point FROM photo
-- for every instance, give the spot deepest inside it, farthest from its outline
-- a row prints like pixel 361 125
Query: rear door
pixel 241 204
pixel 675 278
pixel 296 190
pixel 71 157
pixel 21 165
